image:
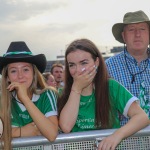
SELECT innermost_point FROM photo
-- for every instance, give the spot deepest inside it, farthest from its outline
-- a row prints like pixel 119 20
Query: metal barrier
pixel 83 141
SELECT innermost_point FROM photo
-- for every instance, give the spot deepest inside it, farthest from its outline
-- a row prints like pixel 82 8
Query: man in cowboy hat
pixel 132 66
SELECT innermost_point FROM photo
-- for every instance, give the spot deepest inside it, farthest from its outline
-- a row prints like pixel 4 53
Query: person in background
pixel 132 66
pixel 50 80
pixel 91 100
pixel 57 72
pixel 28 106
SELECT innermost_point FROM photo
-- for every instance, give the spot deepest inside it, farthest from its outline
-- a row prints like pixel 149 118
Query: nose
pixel 79 69
pixel 59 73
pixel 20 74
pixel 137 32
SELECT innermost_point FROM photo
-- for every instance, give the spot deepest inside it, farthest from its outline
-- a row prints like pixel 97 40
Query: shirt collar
pixel 131 58
pixel 35 98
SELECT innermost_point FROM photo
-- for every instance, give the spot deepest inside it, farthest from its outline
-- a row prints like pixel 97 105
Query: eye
pixel 12 71
pixel 26 69
pixel 84 63
pixel 142 28
pixel 131 29
pixel 71 65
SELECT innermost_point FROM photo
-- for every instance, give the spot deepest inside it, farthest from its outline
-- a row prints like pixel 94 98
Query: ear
pixel 97 62
pixel 123 36
pixel 8 80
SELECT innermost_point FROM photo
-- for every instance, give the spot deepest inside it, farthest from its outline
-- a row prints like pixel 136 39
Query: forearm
pixel 133 126
pixel 16 132
pixel 69 113
pixel 47 127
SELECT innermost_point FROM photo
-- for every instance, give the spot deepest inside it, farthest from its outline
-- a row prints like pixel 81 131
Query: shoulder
pixel 113 82
pixel 49 92
pixel 114 58
pixel 118 92
pixel 114 85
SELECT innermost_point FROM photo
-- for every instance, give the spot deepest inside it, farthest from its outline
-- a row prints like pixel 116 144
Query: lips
pixel 137 41
pixel 21 81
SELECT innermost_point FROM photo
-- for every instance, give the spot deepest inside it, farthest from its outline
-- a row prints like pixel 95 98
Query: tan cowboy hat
pixel 19 52
pixel 129 18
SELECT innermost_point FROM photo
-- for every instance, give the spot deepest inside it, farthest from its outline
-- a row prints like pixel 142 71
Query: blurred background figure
pixel 49 78
pixel 57 71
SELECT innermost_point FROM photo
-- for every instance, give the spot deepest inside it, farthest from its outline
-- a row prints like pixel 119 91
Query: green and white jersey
pixel 45 102
pixel 120 100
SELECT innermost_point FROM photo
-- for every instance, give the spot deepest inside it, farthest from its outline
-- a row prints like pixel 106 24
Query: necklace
pixel 134 74
pixel 89 100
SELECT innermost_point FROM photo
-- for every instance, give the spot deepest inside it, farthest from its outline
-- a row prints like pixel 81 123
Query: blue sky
pixel 48 26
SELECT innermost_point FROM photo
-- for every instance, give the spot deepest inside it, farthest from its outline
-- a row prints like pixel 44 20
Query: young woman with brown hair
pixel 91 100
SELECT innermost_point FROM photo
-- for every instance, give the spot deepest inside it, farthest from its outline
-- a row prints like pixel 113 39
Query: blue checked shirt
pixel 118 70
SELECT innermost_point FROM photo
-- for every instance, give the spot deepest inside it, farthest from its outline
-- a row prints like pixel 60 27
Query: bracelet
pixel 76 91
pixel 20 131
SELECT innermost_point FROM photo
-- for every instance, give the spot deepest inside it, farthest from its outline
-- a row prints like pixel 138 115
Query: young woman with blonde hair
pixel 25 97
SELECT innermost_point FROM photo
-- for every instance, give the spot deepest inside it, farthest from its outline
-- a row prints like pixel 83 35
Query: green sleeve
pixel 120 97
pixel 49 103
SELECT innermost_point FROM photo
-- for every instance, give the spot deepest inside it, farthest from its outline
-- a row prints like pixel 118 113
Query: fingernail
pixel 82 69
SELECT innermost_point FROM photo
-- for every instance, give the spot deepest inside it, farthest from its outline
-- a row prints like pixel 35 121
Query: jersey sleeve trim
pixel 126 109
pixel 52 113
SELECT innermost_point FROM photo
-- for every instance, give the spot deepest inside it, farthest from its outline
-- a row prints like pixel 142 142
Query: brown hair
pixel 46 75
pixel 102 105
pixel 56 65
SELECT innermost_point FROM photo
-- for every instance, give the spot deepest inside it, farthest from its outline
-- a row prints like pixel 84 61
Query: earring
pixel 148 51
pixel 96 68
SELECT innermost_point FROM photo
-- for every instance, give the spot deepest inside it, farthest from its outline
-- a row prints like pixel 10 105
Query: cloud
pixel 19 10
pixel 47 26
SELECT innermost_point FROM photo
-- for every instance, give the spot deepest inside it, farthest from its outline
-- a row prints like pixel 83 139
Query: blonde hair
pixel 38 86
pixel 5 111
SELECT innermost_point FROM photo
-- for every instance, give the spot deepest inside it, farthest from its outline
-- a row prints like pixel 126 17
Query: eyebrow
pixel 132 25
pixel 21 67
pixel 79 61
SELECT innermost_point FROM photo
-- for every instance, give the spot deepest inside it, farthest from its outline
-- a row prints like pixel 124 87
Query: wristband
pixel 20 131
pixel 76 91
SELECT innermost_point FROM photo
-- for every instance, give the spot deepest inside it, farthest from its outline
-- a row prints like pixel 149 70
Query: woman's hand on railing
pixel 109 143
pixel 30 130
